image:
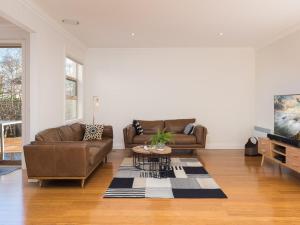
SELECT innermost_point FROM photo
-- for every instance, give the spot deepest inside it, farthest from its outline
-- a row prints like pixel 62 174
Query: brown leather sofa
pixel 60 153
pixel 180 140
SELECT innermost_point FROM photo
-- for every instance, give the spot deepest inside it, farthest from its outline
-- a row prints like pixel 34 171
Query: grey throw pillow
pixel 189 129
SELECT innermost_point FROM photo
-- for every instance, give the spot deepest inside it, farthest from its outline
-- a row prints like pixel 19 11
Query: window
pixel 73 71
pixel 11 100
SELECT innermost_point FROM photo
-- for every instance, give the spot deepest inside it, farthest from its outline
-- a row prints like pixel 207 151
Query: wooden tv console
pixel 280 153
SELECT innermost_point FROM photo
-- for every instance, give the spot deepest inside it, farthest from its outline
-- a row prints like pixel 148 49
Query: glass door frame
pixel 23 44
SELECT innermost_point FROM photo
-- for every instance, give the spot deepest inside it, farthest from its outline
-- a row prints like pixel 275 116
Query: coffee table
pixel 154 161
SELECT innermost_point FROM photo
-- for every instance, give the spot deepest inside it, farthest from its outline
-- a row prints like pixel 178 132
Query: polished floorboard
pixel 256 196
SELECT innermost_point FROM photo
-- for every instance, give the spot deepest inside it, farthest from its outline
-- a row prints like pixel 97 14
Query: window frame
pixel 76 80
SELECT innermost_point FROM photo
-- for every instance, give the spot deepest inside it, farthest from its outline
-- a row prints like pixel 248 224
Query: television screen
pixel 287 116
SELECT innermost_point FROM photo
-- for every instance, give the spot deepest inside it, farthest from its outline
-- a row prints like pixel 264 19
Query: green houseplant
pixel 161 138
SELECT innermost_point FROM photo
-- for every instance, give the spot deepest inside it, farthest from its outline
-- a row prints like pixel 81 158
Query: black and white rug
pixel 188 179
pixel 7 169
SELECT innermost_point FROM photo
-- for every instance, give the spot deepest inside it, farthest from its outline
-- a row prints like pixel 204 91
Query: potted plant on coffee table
pixel 160 139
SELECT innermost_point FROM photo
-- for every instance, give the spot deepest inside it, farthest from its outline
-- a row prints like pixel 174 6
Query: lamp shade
pixel 96 101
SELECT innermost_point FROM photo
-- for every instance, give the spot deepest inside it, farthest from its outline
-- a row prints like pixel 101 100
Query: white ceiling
pixel 176 23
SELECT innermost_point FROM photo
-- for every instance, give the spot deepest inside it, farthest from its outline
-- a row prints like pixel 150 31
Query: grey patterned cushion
pixel 93 132
pixel 189 129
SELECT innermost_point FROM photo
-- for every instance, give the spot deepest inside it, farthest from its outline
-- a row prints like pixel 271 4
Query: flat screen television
pixel 287 116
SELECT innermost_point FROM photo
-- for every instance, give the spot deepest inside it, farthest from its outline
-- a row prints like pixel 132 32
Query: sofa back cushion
pixel 151 127
pixel 65 133
pixel 78 131
pixel 73 132
pixel 177 126
pixel 49 135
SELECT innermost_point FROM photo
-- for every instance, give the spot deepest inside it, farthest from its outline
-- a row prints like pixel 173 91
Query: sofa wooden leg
pixel 262 160
pixel 105 160
pixel 82 183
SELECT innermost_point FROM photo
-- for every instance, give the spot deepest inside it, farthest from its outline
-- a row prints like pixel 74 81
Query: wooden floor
pixel 257 196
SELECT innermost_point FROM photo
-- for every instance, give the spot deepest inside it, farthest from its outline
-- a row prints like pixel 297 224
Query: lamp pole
pixel 96 104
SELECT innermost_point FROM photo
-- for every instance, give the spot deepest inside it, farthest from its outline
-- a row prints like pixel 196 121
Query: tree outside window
pixel 73 71
pixel 11 85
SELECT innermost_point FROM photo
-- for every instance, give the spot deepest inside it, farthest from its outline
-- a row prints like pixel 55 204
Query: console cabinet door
pixel 293 158
pixel 264 146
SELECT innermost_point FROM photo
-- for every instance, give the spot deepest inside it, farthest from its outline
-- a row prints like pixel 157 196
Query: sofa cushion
pixel 177 126
pixel 78 131
pixel 142 139
pixel 151 127
pixel 66 133
pixel 182 139
pixel 49 135
pixel 97 150
pixel 107 132
pixel 73 132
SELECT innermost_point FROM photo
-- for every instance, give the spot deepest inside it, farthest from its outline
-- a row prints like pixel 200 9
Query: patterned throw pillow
pixel 189 129
pixel 93 132
pixel 138 128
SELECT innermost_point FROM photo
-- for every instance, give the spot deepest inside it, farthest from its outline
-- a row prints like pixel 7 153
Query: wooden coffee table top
pixel 141 150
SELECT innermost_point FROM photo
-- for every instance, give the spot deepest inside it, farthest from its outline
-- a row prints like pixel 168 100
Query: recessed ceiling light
pixel 221 34
pixel 70 22
pixel 132 34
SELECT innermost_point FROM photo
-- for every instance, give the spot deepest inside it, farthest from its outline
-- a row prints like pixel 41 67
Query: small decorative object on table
pixel 160 139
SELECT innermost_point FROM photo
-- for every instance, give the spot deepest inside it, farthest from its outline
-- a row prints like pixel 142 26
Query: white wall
pixel 49 44
pixel 12 33
pixel 214 85
pixel 277 72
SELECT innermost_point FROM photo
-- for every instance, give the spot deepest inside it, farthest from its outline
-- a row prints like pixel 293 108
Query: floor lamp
pixel 96 104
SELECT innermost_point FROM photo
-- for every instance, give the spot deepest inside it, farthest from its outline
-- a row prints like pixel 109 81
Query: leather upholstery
pixel 180 140
pixel 151 127
pixel 60 152
pixel 183 139
pixel 142 139
pixel 177 139
pixel 130 133
pixel 107 132
pixel 200 132
pixel 78 131
pixel 66 133
pixel 51 134
pixel 177 126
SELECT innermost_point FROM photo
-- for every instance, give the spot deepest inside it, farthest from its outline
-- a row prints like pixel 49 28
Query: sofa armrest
pixel 129 133
pixel 64 159
pixel 108 132
pixel 200 132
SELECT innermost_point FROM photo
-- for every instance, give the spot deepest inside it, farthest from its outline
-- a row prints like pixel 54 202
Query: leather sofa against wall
pixel 197 140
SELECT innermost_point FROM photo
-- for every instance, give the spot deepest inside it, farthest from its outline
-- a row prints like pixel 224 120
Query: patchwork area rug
pixel 7 170
pixel 187 179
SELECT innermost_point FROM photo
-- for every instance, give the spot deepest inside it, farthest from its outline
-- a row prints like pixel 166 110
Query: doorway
pixel 11 98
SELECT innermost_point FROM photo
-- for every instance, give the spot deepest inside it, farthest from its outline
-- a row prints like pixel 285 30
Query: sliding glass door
pixel 11 70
